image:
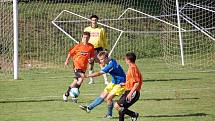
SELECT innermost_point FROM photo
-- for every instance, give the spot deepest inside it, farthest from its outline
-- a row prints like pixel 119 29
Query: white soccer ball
pixel 74 92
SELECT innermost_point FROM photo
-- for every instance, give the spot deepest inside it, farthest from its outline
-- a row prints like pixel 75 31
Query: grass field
pixel 167 95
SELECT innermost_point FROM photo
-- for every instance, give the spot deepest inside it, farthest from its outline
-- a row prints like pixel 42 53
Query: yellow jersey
pixel 97 37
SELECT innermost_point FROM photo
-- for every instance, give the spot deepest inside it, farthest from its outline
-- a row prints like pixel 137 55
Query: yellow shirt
pixel 97 37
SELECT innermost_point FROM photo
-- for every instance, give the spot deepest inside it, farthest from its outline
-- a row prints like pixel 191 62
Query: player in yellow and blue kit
pixel 99 41
pixel 115 88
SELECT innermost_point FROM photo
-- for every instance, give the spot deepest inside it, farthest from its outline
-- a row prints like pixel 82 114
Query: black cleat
pixel 135 117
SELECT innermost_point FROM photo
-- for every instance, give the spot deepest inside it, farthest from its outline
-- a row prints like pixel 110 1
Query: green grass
pixel 167 95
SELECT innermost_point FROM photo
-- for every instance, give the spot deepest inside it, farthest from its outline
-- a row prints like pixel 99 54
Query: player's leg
pixel 99 99
pixel 76 83
pixel 66 94
pixel 115 91
pixel 95 103
pixel 104 75
pixel 91 65
pixel 119 106
pixel 122 106
pixel 109 100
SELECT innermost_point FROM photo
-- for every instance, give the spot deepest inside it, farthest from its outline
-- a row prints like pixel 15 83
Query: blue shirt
pixel 116 71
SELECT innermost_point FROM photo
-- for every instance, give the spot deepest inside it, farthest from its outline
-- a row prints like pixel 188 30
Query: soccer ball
pixel 74 92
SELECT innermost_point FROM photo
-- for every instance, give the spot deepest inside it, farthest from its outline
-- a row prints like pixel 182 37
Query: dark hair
pixel 131 56
pixel 86 33
pixel 94 16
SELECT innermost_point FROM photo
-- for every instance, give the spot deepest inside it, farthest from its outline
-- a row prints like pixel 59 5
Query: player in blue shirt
pixel 115 88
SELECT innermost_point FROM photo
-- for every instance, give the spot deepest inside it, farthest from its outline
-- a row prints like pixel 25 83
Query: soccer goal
pixel 177 34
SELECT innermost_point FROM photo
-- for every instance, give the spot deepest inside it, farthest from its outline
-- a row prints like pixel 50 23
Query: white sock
pixel 105 77
pixel 90 72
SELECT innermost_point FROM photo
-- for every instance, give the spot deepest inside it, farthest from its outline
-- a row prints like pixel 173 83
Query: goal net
pixel 6 38
pixel 147 27
pixel 198 38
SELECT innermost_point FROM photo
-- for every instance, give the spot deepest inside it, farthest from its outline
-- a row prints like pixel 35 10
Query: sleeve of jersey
pixel 107 68
pixel 135 75
pixel 92 54
pixel 72 50
pixel 104 39
pixel 85 29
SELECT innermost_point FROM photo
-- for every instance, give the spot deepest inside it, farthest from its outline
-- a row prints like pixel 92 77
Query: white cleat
pixel 85 108
pixel 106 82
pixel 91 81
pixel 135 117
pixel 65 98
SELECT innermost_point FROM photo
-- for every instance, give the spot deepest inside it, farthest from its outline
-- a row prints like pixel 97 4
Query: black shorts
pixel 78 73
pixel 122 102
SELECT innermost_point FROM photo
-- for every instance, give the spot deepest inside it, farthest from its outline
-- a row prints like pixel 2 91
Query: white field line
pixel 93 94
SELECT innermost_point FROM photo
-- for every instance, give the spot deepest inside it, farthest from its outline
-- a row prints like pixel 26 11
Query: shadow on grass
pixel 177 115
pixel 163 116
pixel 23 101
pixel 169 99
pixel 164 80
pixel 37 100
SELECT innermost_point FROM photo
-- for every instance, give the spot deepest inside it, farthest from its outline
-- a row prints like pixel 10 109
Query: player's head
pixel 85 37
pixel 94 19
pixel 130 57
pixel 103 57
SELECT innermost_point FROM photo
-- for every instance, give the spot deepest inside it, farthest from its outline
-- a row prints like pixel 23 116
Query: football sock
pixel 121 115
pixel 110 109
pixel 95 103
pixel 129 112
pixel 67 92
pixel 90 72
pixel 105 77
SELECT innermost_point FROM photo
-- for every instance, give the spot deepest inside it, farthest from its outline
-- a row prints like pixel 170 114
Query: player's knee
pixel 121 112
pixel 109 99
pixel 117 107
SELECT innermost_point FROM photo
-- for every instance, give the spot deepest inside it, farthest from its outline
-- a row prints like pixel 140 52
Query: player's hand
pixel 90 60
pixel 84 76
pixel 66 62
pixel 122 84
pixel 129 97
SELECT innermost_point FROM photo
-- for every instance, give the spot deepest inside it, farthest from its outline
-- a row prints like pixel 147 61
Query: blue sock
pixel 95 103
pixel 110 109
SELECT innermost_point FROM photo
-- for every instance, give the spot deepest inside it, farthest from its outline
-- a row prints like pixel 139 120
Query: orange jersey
pixel 133 76
pixel 80 54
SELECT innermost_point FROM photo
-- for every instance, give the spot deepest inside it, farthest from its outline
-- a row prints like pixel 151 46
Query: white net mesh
pixel 198 46
pixel 6 39
pixel 149 28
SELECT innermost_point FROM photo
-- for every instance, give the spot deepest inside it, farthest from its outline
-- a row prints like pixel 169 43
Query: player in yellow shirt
pixel 99 41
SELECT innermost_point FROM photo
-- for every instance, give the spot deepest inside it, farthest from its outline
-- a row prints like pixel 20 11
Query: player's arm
pixel 94 74
pixel 92 55
pixel 71 53
pixel 67 59
pixel 106 69
pixel 136 82
pixel 129 96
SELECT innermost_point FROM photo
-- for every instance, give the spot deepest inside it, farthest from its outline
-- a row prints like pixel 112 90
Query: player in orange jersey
pixel 132 86
pixel 81 55
pixel 99 41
